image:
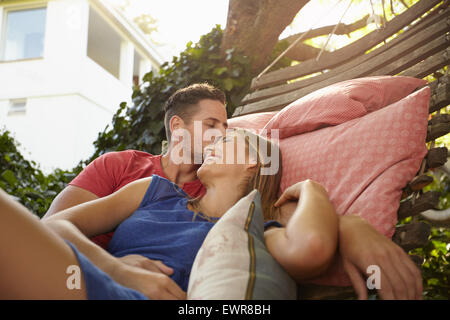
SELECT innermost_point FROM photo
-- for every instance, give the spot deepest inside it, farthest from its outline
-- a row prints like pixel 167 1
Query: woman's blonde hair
pixel 266 184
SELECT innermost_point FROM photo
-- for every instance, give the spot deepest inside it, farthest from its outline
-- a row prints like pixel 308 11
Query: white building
pixel 65 66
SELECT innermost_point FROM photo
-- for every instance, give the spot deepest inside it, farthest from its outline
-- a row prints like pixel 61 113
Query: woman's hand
pixel 136 260
pixel 293 192
pixel 360 246
pixel 307 245
pixel 154 285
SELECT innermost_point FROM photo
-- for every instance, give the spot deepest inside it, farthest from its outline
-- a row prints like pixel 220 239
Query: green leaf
pixel 228 84
pixel 220 70
pixel 9 177
pixel 197 53
pixel 34 195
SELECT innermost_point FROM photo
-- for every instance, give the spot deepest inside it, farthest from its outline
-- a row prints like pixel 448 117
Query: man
pixel 111 171
pixel 360 245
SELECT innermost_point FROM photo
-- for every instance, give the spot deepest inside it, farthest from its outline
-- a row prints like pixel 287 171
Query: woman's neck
pixel 219 197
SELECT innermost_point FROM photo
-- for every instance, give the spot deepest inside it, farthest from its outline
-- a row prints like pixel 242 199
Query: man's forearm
pixel 68 231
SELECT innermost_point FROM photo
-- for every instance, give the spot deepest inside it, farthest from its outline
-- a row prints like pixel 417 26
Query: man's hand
pixel 139 261
pixel 154 285
pixel 360 246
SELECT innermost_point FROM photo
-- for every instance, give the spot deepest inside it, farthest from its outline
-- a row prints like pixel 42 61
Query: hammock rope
pixel 333 31
pixel 296 41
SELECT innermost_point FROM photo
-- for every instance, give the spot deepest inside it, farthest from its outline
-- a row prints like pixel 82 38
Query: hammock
pixel 420 50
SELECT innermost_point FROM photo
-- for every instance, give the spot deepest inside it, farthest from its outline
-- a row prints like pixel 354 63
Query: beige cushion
pixel 233 262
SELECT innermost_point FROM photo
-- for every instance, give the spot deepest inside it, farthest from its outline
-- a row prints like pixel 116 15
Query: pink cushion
pixel 363 163
pixel 341 102
pixel 251 121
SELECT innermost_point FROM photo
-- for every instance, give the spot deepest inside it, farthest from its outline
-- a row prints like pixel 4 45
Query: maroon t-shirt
pixel 111 171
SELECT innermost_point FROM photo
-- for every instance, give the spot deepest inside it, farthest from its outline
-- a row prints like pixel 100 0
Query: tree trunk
pixel 254 26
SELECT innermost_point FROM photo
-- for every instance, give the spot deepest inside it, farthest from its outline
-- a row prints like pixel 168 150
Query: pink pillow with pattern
pixel 340 102
pixel 255 121
pixel 363 163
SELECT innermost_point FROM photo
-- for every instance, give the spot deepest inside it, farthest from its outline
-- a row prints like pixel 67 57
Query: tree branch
pixel 341 29
pixel 254 27
pixel 302 51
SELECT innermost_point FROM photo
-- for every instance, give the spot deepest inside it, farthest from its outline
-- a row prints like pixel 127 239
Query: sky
pixel 181 21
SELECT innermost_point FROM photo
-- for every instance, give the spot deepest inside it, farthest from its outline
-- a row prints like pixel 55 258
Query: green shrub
pixel 25 181
pixel 436 253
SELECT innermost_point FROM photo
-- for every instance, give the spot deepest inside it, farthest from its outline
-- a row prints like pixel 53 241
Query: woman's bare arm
pixel 69 197
pixel 307 245
pixel 361 245
pixel 78 223
pixel 104 214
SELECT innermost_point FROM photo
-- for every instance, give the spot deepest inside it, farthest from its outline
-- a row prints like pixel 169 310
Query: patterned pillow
pixel 233 263
pixel 341 102
pixel 251 121
pixel 363 163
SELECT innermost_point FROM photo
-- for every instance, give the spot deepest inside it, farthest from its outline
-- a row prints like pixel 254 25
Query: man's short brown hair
pixel 184 102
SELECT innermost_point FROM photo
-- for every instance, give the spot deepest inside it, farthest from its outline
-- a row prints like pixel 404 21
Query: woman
pixel 154 218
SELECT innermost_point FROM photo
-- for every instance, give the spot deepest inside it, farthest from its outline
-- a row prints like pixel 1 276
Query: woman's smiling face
pixel 226 156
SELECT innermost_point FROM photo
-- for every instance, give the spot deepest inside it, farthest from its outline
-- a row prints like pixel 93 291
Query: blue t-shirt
pixel 162 228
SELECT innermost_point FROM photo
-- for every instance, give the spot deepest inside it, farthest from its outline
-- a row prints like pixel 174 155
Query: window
pixel 23 37
pixel 103 43
pixel 17 106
